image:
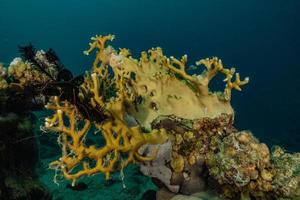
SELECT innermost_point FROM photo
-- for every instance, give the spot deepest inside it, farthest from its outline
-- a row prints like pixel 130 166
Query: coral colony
pixel 150 111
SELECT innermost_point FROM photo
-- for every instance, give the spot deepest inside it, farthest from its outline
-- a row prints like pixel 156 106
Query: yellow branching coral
pixel 99 43
pixel 161 85
pixel 119 138
pixel 119 87
pixel 214 66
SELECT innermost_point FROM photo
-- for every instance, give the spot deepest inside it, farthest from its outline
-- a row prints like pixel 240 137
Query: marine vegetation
pixel 150 111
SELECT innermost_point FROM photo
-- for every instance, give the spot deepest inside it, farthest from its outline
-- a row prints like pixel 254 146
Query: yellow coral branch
pixel 215 66
pixel 235 84
pixel 119 138
pixel 98 43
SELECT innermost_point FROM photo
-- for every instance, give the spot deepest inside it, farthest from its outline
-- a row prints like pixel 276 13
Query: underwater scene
pixel 149 100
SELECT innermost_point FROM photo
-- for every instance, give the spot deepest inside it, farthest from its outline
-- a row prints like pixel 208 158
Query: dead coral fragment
pixel 241 160
pixel 99 43
pixel 237 162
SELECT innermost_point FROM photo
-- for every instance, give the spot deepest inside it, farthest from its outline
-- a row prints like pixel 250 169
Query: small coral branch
pixel 178 66
pixel 98 43
pixel 235 84
pixel 213 67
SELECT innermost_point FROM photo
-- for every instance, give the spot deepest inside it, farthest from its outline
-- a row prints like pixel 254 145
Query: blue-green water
pixel 260 38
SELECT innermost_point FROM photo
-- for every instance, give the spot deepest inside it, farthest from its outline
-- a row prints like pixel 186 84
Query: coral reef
pixel 149 111
pixel 125 100
pixel 160 85
pixel 152 112
pixel 143 89
pixel 118 136
pixel 213 151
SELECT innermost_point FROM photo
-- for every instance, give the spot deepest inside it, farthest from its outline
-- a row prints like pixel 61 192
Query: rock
pixel 158 167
